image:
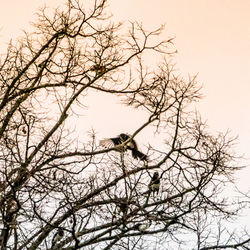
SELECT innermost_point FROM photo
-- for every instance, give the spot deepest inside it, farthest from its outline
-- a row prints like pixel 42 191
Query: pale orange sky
pixel 212 38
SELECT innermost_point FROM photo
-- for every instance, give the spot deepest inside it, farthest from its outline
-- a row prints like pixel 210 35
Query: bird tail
pixel 139 155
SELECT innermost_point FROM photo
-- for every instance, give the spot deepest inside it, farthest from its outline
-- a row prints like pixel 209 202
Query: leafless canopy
pixel 57 193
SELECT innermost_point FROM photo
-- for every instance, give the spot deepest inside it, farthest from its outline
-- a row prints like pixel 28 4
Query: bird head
pixel 124 137
pixel 60 232
pixel 156 175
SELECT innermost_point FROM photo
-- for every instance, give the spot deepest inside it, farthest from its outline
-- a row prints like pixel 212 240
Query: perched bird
pixel 161 213
pixel 11 213
pixel 24 130
pixel 131 145
pixel 122 206
pixel 154 184
pixel 12 206
pixel 99 69
pixel 58 236
pixel 3 185
pixel 42 64
pixel 143 226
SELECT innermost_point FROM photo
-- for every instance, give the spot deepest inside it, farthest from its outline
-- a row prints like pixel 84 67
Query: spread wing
pixel 110 142
pixel 107 143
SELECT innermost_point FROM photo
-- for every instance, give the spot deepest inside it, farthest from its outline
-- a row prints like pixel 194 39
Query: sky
pixel 213 40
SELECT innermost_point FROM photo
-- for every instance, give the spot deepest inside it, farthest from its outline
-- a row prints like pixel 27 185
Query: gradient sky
pixel 212 38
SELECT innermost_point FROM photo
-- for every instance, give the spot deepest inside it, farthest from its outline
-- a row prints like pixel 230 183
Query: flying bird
pixel 154 184
pixel 131 145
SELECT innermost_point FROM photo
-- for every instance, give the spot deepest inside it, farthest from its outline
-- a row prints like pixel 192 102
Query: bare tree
pixel 57 193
